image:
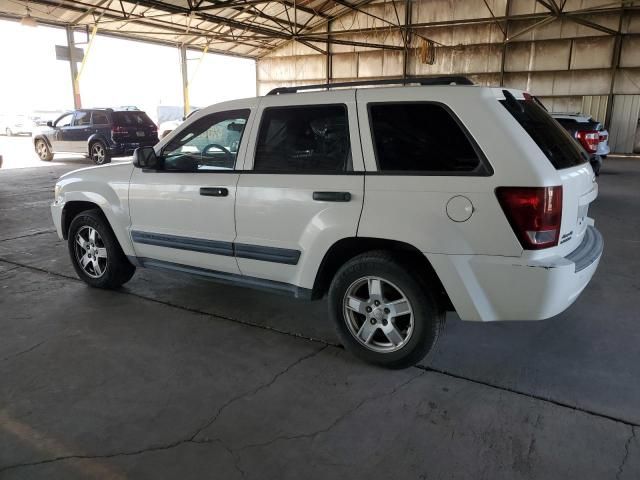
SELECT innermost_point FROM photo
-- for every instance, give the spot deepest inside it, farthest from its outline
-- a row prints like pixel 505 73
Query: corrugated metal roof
pixel 248 28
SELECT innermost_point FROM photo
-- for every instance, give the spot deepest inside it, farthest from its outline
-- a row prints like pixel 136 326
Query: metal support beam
pixel 407 38
pixel 615 65
pixel 185 78
pixel 77 103
pixel 329 59
pixel 505 32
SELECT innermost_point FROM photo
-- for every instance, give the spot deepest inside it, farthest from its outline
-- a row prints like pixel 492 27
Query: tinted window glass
pixel 208 144
pixel 421 137
pixel 304 139
pixel 82 118
pixel 554 141
pixel 100 118
pixel 131 119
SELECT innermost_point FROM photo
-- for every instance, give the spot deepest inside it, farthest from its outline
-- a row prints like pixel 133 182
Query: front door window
pixel 210 143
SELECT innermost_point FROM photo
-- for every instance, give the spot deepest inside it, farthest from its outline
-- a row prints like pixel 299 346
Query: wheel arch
pixel 72 209
pixel 115 217
pixel 345 249
pixel 97 137
pixel 46 140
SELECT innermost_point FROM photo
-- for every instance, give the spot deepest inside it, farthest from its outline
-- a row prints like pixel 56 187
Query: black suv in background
pixel 100 133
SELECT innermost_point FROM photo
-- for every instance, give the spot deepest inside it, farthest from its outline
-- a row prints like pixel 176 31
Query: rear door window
pixel 305 139
pixel 422 138
pixel 554 141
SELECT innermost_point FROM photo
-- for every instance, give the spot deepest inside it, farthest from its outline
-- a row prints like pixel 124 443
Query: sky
pixel 117 72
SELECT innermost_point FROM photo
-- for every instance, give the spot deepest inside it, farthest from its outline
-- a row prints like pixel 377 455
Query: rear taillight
pixel 534 213
pixel 118 130
pixel 603 137
pixel 589 140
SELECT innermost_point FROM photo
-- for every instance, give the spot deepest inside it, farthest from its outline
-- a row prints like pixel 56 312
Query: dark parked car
pixel 100 133
pixel 590 134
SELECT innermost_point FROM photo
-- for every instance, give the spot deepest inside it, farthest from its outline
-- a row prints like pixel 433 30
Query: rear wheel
pixel 95 252
pixel 383 313
pixel 43 152
pixel 99 153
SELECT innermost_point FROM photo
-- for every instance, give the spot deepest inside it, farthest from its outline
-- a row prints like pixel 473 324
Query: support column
pixel 406 38
pixel 185 79
pixel 615 65
pixel 329 59
pixel 503 57
pixel 77 103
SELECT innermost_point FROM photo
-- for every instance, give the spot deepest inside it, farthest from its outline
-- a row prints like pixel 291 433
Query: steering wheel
pixel 227 153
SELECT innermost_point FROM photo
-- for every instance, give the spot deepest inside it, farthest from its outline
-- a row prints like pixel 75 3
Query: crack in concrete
pixel 175 305
pixel 311 339
pixel 626 453
pixel 335 422
pixel 250 393
pixel 22 352
pixel 177 443
pixel 39 232
pixel 529 395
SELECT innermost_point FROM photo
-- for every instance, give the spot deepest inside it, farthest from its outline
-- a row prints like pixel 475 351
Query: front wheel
pixel 43 152
pixel 95 252
pixel 99 153
pixel 383 313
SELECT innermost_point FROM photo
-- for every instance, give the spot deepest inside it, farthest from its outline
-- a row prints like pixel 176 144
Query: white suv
pixel 399 202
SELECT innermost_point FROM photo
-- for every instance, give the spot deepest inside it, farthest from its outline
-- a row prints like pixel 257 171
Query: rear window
pixel 554 141
pixel 132 119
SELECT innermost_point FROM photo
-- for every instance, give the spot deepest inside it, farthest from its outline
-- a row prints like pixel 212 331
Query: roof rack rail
pixel 445 80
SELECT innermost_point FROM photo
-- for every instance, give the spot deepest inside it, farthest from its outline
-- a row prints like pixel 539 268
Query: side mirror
pixel 145 157
pixel 49 123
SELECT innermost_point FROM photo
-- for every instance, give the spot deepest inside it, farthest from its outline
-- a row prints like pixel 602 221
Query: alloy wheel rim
pixel 98 153
pixel 378 314
pixel 90 251
pixel 42 149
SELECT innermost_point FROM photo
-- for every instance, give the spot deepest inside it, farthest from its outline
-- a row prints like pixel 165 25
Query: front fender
pixel 107 187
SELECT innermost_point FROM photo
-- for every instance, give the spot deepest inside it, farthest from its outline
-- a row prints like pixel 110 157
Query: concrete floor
pixel 176 377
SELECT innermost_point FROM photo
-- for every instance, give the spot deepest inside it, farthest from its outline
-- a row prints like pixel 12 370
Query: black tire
pixel 43 151
pixel 428 316
pixel 99 153
pixel 116 270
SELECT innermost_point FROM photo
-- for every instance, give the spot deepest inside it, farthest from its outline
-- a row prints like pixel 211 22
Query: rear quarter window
pixel 554 141
pixel 422 138
pixel 132 119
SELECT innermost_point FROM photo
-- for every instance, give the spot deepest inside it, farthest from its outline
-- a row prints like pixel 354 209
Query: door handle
pixel 332 196
pixel 214 191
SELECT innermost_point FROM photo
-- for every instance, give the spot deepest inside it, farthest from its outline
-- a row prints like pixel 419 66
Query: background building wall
pixel 575 60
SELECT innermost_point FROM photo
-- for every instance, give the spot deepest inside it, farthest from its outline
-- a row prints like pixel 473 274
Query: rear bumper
pixel 126 149
pixel 490 288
